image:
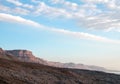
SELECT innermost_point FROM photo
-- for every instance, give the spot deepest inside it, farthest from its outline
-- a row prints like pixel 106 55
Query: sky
pixel 78 31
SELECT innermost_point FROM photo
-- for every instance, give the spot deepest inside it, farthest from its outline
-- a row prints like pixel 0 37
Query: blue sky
pixel 79 31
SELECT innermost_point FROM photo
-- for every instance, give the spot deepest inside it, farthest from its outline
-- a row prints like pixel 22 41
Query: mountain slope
pixel 14 72
pixel 17 72
pixel 27 56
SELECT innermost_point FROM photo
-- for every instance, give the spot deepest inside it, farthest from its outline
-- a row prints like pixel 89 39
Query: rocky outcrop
pixel 26 56
pixel 21 53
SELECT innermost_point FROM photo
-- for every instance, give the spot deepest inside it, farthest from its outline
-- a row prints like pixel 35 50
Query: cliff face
pixel 21 53
pixel 25 56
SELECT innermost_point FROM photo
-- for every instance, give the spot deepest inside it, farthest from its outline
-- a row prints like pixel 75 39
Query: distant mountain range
pixel 22 67
pixel 27 56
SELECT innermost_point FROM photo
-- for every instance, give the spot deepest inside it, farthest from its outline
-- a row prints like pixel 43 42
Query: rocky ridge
pixel 13 70
pixel 27 56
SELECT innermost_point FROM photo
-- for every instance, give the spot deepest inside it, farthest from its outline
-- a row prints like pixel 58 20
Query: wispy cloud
pixel 104 13
pixel 66 4
pixel 17 19
pixel 108 19
pixel 82 35
pixel 16 10
pixel 105 17
pixel 107 22
pixel 18 3
pixel 43 9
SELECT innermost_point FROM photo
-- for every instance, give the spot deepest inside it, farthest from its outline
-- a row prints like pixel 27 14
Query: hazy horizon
pixel 78 31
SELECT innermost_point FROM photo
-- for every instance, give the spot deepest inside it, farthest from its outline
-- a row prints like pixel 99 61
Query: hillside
pixel 14 71
pixel 27 56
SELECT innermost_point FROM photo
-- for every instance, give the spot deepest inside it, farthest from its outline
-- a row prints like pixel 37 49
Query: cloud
pixel 17 19
pixel 57 1
pixel 109 4
pixel 4 8
pixel 106 22
pixel 66 9
pixel 19 10
pixel 67 4
pixel 16 10
pixel 104 18
pixel 96 1
pixel 104 13
pixel 35 1
pixel 43 9
pixel 18 3
pixel 20 20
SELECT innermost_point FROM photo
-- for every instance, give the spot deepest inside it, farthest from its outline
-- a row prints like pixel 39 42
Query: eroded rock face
pixel 17 53
pixel 20 53
pixel 23 55
pixel 26 56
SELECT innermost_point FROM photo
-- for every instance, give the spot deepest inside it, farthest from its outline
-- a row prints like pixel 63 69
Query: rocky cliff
pixel 26 56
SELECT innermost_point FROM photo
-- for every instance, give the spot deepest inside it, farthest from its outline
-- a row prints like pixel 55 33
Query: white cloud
pixel 35 1
pixel 19 10
pixel 72 6
pixel 96 1
pixel 4 8
pixel 20 20
pixel 105 17
pixel 18 3
pixel 107 22
pixel 104 13
pixel 67 10
pixel 44 9
pixel 66 4
pixel 77 11
pixel 16 10
pixel 17 19
pixel 57 1
pixel 110 4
